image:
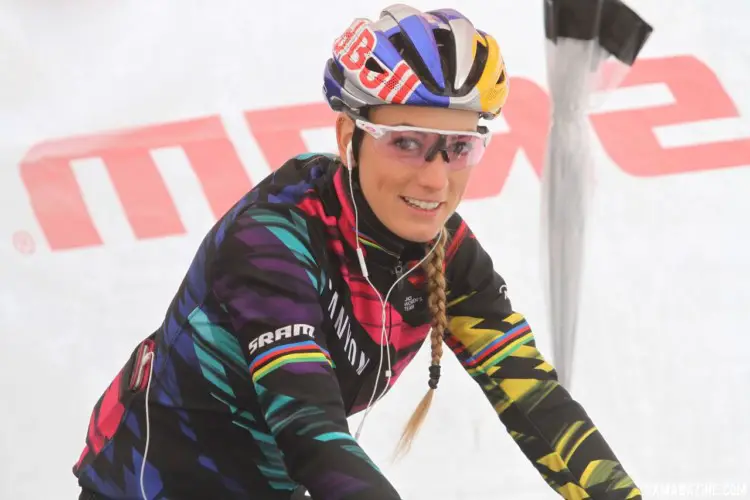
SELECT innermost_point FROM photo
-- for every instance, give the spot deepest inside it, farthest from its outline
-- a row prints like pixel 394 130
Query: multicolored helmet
pixel 435 59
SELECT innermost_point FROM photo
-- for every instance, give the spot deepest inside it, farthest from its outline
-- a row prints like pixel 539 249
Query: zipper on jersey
pixel 398 271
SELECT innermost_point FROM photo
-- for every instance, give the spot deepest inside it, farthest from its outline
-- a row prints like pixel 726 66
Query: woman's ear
pixel 344 133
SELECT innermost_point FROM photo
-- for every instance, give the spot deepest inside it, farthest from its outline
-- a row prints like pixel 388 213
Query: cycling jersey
pixel 274 338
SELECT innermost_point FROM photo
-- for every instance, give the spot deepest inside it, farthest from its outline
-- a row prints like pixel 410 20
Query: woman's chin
pixel 416 232
pixel 416 225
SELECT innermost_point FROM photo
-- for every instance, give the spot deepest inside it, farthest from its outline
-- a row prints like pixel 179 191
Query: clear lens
pixel 415 146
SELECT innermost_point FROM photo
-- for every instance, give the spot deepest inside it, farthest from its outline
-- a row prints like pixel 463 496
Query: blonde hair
pixel 436 301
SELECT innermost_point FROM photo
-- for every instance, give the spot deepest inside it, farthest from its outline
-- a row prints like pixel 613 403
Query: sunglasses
pixel 417 145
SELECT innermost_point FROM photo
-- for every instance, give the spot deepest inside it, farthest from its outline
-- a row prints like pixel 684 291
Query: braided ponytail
pixel 437 304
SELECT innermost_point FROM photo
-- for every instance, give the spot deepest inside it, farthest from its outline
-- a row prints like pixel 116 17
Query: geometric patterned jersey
pixel 274 338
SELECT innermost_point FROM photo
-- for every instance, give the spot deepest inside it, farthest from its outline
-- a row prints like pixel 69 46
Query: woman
pixel 307 300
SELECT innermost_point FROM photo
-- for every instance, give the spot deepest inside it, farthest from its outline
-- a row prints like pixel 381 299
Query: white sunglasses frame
pixel 378 130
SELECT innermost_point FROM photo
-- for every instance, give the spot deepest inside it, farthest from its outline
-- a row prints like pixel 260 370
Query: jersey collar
pixel 378 243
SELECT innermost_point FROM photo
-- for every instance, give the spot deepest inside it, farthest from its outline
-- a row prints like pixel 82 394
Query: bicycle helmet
pixel 434 58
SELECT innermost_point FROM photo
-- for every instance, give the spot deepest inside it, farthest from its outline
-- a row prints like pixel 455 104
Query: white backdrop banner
pixel 129 127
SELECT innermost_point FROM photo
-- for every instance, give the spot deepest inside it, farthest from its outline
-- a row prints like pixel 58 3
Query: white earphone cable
pixel 384 336
pixel 146 358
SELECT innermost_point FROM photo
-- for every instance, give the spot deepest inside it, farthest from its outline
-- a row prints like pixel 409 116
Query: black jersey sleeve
pixel 496 346
pixel 268 279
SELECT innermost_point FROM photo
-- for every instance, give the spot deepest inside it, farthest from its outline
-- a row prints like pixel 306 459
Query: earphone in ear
pixel 349 165
pixel 384 335
pixel 349 156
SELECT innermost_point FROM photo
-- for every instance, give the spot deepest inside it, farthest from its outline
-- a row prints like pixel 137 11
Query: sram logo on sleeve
pixel 285 332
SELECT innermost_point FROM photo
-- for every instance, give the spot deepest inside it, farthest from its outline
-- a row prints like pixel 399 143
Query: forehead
pixel 421 116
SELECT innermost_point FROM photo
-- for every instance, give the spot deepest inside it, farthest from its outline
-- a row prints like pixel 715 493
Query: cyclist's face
pixel 402 195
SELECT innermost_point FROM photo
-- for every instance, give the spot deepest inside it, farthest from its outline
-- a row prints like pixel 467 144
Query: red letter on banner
pixel 58 203
pixel 628 136
pixel 527 115
pixel 279 130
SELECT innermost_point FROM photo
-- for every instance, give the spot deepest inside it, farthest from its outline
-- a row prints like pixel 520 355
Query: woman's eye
pixel 462 148
pixel 407 144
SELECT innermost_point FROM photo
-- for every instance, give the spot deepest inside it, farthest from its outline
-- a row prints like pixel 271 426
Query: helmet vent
pixel 447 49
pixel 476 69
pixel 373 65
pixel 410 54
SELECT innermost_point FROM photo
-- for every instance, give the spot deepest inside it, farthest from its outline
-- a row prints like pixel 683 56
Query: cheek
pixel 383 180
pixel 458 182
pixel 375 186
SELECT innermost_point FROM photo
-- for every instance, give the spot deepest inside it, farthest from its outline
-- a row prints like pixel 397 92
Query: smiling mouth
pixel 421 204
